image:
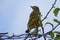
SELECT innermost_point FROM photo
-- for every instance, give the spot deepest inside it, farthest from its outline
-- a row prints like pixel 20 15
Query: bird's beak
pixel 31 6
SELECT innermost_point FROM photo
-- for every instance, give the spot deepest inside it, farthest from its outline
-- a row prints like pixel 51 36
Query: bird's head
pixel 35 8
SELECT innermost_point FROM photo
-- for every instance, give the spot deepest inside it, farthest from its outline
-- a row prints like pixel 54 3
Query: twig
pixel 53 29
pixel 39 35
pixel 27 36
pixel 4 33
pixel 46 17
pixel 49 10
pixel 43 33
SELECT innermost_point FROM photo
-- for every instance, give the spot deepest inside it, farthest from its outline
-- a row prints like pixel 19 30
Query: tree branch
pixel 19 36
pixel 27 36
pixel 39 35
pixel 43 33
pixel 46 17
pixel 49 10
pixel 53 29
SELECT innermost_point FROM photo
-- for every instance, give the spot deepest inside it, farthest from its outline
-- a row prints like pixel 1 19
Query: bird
pixel 34 19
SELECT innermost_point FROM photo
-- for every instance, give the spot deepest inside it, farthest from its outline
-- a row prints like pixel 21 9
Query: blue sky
pixel 14 14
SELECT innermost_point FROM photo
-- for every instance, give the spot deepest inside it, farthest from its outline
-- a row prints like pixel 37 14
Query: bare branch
pixel 22 35
pixel 39 35
pixel 4 33
pixel 27 36
pixel 49 10
pixel 53 29
pixel 43 33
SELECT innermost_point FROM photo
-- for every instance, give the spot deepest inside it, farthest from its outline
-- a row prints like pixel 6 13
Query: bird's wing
pixel 33 17
pixel 31 21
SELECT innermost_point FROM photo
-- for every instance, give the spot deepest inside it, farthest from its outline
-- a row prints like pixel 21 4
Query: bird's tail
pixel 27 31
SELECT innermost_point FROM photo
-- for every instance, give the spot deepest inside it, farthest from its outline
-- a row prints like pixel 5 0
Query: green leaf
pixel 56 21
pixel 35 32
pixel 52 35
pixel 56 10
pixel 50 24
pixel 57 32
pixel 57 37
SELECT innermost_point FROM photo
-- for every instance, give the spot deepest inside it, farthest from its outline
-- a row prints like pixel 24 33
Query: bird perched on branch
pixel 34 20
